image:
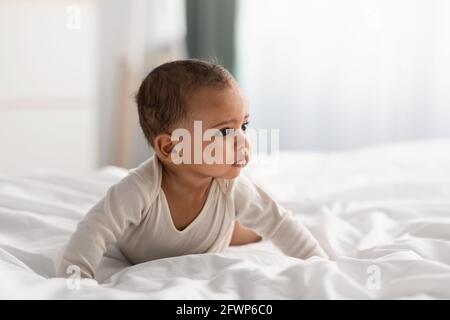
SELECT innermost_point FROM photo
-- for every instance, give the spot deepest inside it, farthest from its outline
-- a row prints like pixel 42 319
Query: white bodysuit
pixel 135 214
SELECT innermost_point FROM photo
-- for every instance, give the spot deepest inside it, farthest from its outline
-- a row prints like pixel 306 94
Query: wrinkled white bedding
pixel 382 213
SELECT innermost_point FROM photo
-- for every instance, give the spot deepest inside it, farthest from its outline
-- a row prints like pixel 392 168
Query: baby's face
pixel 219 117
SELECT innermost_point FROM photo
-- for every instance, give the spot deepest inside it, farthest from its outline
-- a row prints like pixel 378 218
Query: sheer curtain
pixel 342 74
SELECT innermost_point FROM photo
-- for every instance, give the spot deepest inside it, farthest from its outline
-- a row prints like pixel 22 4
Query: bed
pixel 382 213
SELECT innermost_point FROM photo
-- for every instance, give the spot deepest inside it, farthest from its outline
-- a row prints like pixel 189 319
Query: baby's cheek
pixel 215 151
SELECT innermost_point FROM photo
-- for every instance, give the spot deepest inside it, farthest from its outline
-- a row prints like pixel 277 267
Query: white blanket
pixel 382 214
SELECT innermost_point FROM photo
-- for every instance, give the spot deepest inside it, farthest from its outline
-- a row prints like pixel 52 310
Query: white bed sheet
pixel 382 213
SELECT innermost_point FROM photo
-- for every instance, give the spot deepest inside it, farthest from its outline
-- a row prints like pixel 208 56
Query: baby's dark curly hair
pixel 162 99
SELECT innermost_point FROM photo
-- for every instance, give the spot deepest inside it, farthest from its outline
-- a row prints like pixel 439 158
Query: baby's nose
pixel 240 140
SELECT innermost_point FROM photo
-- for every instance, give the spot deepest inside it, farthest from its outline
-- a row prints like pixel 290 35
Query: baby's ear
pixel 163 146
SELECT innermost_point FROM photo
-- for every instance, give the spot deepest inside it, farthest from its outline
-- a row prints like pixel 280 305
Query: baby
pixel 175 204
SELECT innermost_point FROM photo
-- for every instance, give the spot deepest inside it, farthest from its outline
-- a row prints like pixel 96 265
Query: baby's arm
pixel 256 210
pixel 103 225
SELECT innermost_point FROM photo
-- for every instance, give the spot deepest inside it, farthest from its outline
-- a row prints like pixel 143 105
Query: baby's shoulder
pixel 148 173
pixel 141 182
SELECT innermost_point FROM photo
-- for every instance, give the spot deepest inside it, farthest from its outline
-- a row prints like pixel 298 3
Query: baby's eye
pixel 244 126
pixel 225 131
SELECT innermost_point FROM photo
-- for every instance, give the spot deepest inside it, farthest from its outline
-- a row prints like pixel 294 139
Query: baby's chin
pixel 228 172
pixel 233 173
pixel 224 171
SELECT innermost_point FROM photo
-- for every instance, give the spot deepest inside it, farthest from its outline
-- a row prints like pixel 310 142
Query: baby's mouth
pixel 242 162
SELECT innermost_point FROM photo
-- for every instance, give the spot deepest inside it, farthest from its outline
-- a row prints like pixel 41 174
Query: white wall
pixel 48 85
